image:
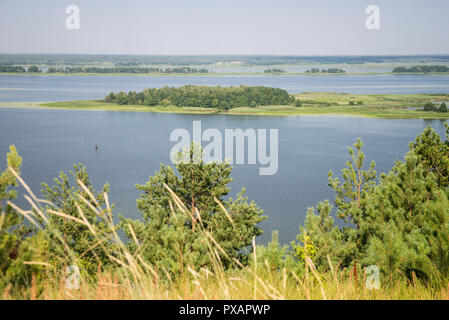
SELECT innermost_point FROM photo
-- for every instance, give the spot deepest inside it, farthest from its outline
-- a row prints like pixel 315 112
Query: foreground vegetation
pixel 191 243
pixel 392 106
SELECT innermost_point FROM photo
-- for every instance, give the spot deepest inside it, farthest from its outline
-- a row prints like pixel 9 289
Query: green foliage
pixel 421 69
pixel 433 154
pixel 12 69
pixel 306 250
pixel 275 256
pixel 320 236
pixel 402 236
pixel 329 70
pixel 166 102
pixel 204 96
pixel 351 193
pixel 127 69
pixel 66 198
pixel 274 70
pixel 333 70
pixel 429 107
pixel 313 70
pixel 34 69
pixel 171 236
pixel 400 224
pixel 12 231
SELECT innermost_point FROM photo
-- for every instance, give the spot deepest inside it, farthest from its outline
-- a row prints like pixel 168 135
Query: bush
pixel 34 69
pixel 429 107
pixel 166 102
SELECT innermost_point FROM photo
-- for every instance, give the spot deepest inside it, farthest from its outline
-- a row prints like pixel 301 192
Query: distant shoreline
pixel 217 74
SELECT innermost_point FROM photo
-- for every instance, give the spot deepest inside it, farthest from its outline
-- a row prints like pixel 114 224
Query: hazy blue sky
pixel 295 27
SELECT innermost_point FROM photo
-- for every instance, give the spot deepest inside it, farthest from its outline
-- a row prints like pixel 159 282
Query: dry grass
pixel 133 278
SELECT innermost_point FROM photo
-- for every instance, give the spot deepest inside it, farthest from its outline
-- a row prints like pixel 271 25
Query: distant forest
pixel 330 70
pixel 145 60
pixel 421 69
pixel 126 70
pixel 204 96
pixel 274 70
pixel 104 70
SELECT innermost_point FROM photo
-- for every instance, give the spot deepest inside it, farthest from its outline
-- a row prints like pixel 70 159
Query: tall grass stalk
pixel 131 277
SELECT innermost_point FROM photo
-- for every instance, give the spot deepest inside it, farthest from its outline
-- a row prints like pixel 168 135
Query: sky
pixel 211 27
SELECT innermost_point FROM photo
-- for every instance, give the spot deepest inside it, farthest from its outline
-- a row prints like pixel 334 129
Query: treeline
pixel 19 69
pixel 125 70
pixel 204 96
pixel 7 68
pixel 330 70
pixel 421 69
pixel 274 70
pixel 432 107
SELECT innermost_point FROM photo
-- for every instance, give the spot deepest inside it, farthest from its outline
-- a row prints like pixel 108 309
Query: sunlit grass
pixel 133 278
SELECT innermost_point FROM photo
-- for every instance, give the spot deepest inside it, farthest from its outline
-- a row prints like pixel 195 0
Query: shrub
pixel 429 107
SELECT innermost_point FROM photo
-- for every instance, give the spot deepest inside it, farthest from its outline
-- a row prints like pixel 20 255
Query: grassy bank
pixel 316 103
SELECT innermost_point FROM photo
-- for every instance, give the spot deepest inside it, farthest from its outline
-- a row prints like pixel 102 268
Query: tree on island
pixel 34 69
pixel 275 70
pixel 429 106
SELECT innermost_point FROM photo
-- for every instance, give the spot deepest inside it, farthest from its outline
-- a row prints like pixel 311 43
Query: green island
pixel 329 70
pixel 394 106
pixel 422 69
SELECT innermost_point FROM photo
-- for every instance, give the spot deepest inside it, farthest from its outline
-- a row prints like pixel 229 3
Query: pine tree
pixel 171 238
pixel 66 198
pixel 433 153
pixel 407 223
pixel 399 224
pixel 13 250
